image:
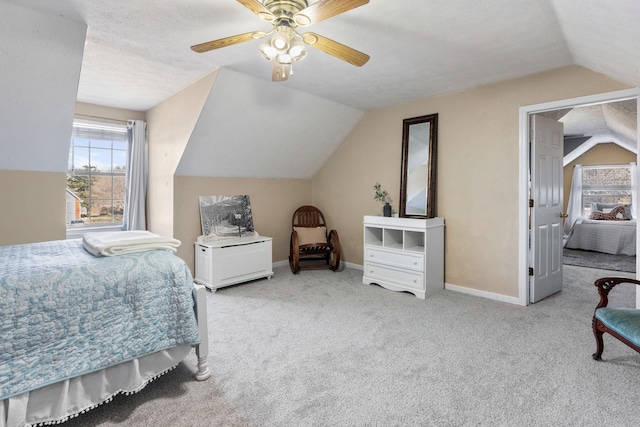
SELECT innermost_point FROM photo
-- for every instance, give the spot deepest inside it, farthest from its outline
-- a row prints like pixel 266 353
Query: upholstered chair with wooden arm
pixel 621 323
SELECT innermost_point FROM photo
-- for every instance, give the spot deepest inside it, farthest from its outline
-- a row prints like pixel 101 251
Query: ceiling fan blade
pixel 258 8
pixel 336 49
pixel 324 9
pixel 227 41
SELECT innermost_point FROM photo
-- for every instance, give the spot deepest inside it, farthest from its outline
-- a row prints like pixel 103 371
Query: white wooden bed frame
pixel 202 350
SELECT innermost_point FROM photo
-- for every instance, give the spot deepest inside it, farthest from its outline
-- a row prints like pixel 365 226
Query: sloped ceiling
pixel 587 126
pixel 137 52
pixel 616 121
pixel 41 56
pixel 252 128
pixel 137 55
pixel 602 36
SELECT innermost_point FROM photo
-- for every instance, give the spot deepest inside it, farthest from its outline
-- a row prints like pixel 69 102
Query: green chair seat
pixel 624 321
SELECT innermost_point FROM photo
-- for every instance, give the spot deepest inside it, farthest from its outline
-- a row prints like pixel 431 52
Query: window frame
pixel 611 189
pixel 116 135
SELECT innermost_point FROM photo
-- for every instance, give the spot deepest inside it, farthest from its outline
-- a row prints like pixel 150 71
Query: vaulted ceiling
pixel 137 51
pixel 589 125
pixel 137 54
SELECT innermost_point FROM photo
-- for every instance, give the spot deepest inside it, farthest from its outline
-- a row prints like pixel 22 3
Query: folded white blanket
pixel 125 242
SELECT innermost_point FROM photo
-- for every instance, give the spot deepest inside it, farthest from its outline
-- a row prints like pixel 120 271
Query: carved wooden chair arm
pixel 606 284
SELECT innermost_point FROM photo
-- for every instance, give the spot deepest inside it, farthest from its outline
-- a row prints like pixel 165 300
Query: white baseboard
pixel 483 294
pixel 352 265
pixel 343 264
pixel 447 286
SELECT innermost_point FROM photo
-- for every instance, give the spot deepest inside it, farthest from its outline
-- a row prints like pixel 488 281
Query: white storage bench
pixel 231 261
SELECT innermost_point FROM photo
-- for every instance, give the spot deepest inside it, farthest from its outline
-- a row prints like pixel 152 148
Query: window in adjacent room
pixel 609 184
pixel 96 174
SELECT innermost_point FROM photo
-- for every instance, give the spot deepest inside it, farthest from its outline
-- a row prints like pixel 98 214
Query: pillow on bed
pixel 307 235
pixel 615 214
pixel 608 207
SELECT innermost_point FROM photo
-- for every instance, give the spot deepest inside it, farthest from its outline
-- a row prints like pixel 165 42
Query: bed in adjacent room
pixel 77 329
pixel 600 233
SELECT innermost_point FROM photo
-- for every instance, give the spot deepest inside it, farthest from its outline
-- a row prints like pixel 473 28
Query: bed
pixel 610 237
pixel 76 329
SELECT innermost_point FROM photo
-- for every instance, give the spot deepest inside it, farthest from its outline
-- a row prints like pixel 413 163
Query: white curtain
pixel 634 188
pixel 574 208
pixel 137 173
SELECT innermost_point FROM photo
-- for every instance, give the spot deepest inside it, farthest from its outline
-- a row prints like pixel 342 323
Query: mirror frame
pixel 430 209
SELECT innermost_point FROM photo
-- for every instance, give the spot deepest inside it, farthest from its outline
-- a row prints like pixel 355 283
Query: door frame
pixel 523 179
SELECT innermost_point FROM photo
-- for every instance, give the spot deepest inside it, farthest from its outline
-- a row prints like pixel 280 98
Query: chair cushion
pixel 308 235
pixel 625 321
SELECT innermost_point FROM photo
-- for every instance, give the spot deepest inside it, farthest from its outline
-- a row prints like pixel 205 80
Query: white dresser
pixel 231 261
pixel 404 254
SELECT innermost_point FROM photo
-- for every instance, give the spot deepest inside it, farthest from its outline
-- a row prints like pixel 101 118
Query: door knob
pixel 564 215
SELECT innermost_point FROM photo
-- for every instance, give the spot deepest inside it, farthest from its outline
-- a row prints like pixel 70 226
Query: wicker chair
pixel 312 245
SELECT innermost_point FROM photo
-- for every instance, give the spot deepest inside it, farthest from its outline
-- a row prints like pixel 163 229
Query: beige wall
pixel 108 114
pixel 169 126
pixel 272 204
pixel 38 199
pixel 477 177
pixel 33 206
pixel 601 154
pixel 478 170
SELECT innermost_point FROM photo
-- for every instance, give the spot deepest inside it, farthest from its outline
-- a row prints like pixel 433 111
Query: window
pixel 96 174
pixel 605 184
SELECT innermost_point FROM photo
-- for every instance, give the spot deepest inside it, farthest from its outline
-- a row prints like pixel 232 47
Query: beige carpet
pixel 322 349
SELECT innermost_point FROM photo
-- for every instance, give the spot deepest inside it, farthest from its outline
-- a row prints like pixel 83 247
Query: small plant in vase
pixel 381 195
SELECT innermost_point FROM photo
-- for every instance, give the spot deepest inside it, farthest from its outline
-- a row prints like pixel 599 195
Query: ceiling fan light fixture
pixel 280 40
pixel 268 52
pixel 284 58
pixel 285 45
pixel 297 50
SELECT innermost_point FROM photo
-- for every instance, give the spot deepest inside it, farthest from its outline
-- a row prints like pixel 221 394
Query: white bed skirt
pixel 66 399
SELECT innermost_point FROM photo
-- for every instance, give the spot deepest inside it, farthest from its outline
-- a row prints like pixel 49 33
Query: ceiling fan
pixel 286 44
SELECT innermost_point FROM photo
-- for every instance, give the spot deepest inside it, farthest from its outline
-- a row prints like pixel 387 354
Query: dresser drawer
pixel 408 279
pixel 413 261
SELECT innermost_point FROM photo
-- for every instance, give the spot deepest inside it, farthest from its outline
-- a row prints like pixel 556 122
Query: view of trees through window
pixel 96 174
pixel 611 184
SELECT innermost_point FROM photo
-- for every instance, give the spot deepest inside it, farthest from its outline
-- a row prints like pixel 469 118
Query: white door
pixel 546 215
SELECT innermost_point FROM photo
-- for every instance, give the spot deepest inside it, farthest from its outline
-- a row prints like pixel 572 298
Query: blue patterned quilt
pixel 64 312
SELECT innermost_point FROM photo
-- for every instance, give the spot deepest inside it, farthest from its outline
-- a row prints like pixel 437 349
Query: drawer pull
pixel 371 255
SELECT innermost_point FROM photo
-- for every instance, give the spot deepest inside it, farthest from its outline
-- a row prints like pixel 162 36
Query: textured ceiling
pixel 616 119
pixel 137 52
pixel 589 125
